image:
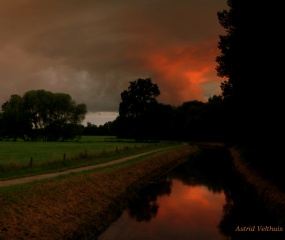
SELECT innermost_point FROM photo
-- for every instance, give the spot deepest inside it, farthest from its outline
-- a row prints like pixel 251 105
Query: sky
pixel 92 50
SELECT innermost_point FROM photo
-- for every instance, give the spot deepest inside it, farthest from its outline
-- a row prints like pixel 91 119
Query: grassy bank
pixel 83 204
pixel 19 159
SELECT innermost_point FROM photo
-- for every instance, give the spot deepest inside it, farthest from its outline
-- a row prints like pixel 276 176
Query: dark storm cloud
pixel 93 49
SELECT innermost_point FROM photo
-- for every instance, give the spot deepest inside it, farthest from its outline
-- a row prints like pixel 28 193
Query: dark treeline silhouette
pixel 252 97
pixel 41 115
pixel 102 130
pixel 249 64
pixel 142 117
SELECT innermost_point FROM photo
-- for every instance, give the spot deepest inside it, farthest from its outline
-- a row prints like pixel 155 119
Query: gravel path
pixel 16 181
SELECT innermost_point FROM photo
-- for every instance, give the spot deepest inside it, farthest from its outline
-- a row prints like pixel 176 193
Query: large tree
pixel 248 62
pixel 42 115
pixel 136 109
pixel 141 94
pixel 14 121
pixel 251 61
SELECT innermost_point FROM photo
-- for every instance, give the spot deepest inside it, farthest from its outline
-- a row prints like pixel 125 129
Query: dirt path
pixel 16 181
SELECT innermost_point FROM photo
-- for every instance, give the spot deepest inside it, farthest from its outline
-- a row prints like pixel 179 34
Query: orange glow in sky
pixel 182 73
pixel 93 49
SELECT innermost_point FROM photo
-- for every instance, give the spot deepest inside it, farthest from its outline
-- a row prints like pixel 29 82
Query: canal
pixel 202 199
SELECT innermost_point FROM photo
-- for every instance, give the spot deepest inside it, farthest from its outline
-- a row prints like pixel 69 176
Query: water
pixel 184 214
pixel 199 200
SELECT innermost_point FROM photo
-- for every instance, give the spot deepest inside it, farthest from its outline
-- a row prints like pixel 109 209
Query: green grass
pixel 19 159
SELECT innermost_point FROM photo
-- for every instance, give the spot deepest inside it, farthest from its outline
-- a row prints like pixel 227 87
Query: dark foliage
pixel 250 61
pixel 101 130
pixel 41 115
pixel 143 118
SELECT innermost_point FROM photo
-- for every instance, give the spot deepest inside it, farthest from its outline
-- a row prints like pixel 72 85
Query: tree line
pixel 41 115
pixel 142 117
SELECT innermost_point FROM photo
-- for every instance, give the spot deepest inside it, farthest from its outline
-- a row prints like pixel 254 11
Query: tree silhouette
pixel 137 99
pixel 248 62
pixel 41 115
pixel 14 122
pixel 137 108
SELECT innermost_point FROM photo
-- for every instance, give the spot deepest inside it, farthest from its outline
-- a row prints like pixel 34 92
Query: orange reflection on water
pixel 187 213
pixel 191 207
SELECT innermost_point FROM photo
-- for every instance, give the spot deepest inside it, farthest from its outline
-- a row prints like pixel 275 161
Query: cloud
pixel 180 71
pixel 93 49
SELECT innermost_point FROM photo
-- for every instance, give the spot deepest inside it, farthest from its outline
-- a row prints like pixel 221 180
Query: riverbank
pixel 83 205
pixel 268 191
pixel 272 196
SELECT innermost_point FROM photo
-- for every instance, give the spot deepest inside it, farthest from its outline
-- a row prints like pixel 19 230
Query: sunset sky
pixel 93 49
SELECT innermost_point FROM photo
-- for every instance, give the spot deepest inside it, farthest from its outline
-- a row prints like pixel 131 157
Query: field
pixel 80 206
pixel 18 159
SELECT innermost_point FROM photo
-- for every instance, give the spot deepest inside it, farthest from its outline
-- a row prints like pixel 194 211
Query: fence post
pixel 31 161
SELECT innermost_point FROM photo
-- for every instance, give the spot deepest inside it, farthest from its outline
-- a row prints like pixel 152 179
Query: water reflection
pixel 145 206
pixel 187 213
pixel 201 199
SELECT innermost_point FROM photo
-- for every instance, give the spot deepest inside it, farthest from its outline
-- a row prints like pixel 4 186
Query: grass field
pixel 18 159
